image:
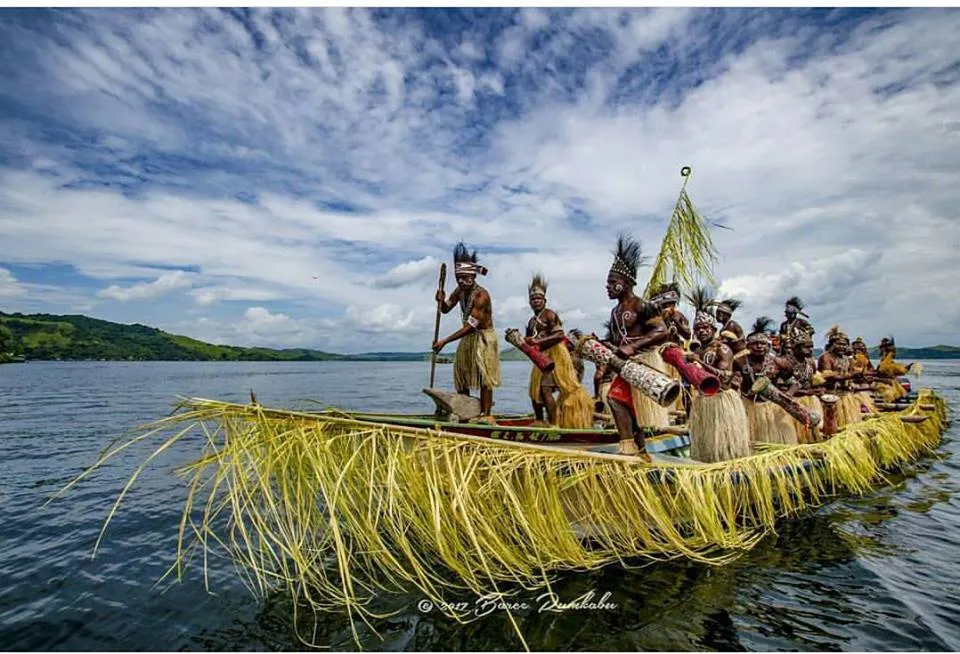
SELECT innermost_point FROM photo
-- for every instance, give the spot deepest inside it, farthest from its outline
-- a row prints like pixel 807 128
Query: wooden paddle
pixel 436 327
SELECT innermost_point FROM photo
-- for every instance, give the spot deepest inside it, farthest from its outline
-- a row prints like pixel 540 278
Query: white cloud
pixel 409 272
pixel 381 318
pixel 9 286
pixel 365 148
pixel 162 285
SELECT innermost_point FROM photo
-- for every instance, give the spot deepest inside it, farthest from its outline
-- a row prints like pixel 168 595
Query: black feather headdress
pixel 702 301
pixel 760 327
pixel 465 262
pixel 730 304
pixel 627 258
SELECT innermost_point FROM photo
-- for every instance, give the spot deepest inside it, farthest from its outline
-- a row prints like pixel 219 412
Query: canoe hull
pixel 521 429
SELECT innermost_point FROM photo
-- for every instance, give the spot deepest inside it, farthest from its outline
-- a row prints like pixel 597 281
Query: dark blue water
pixel 880 572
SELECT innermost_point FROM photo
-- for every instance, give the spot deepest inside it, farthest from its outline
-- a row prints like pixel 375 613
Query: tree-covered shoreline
pixel 48 337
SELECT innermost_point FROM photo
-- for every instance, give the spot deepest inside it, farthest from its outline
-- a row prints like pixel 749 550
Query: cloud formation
pixel 319 164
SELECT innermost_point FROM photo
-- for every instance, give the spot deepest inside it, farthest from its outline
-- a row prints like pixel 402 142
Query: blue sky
pixel 294 177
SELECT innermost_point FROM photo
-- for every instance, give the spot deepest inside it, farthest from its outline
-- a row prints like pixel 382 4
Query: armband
pixel 473 322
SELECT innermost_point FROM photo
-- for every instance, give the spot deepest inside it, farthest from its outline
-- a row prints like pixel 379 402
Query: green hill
pixel 47 337
pixel 42 336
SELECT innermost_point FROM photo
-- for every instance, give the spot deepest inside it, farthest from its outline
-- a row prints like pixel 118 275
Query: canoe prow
pixel 454 406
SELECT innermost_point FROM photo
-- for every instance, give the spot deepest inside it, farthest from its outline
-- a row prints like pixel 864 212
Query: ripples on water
pixel 873 573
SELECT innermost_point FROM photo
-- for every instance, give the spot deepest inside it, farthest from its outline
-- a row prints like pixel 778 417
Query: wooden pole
pixel 436 327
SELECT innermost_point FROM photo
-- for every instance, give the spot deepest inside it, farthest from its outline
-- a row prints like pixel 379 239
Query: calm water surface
pixel 880 572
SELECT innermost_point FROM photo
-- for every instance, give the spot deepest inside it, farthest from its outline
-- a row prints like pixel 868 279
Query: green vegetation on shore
pixel 46 337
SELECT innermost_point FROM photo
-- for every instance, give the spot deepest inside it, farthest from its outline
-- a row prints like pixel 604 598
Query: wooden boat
pixel 674 441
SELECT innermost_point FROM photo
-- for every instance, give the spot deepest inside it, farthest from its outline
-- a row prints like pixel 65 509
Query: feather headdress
pixel 797 304
pixel 537 287
pixel 834 334
pixel 760 327
pixel 702 301
pixel 730 304
pixel 627 258
pixel 669 292
pixel 465 262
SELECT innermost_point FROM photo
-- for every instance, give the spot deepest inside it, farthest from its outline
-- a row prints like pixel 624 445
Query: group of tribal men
pixel 722 426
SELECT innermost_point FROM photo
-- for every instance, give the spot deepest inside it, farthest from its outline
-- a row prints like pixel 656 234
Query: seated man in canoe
pixel 477 362
pixel 719 429
pixel 888 388
pixel 574 410
pixel 636 333
pixel 836 366
pixel 806 384
pixel 769 423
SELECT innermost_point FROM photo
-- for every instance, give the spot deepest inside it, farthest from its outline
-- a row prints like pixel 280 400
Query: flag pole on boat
pixel 436 326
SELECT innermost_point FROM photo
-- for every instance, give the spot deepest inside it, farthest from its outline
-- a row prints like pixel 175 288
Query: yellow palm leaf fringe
pixel 686 252
pixel 335 510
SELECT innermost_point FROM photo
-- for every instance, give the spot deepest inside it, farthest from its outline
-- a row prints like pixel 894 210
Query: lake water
pixel 880 572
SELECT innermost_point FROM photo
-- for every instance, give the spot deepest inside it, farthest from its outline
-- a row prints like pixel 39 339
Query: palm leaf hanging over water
pixel 687 254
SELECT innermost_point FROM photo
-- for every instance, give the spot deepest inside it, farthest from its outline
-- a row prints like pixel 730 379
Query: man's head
pixel 793 307
pixel 758 342
pixel 623 272
pixel 704 332
pixel 858 346
pixel 537 293
pixel 618 286
pixel 666 296
pixel 726 308
pixel 803 348
pixel 466 281
pixel 888 346
pixel 465 267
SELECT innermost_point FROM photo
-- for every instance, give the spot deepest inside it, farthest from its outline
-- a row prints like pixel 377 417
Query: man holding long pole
pixel 477 362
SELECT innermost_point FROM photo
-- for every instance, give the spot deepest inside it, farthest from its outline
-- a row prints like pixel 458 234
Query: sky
pixel 293 178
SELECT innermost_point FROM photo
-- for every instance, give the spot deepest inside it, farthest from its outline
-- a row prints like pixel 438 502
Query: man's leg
pixel 546 393
pixel 623 419
pixel 486 400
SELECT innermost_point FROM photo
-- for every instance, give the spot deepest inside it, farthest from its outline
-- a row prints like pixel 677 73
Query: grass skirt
pixel 769 423
pixel 719 430
pixel 805 434
pixel 848 409
pixel 477 363
pixel 646 410
pixel 575 406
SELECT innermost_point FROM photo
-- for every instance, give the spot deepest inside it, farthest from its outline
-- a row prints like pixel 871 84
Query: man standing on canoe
pixel 665 299
pixel 636 332
pixel 730 330
pixel 545 331
pixel 719 429
pixel 477 362
pixel 794 326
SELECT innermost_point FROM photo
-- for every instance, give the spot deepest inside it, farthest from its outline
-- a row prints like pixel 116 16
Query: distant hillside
pixel 47 337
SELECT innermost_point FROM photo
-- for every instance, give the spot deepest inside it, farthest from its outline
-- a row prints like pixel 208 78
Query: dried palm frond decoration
pixel 335 510
pixel 687 253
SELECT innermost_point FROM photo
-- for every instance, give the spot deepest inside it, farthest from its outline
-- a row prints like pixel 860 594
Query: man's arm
pixel 683 327
pixel 655 334
pixel 447 304
pixel 553 334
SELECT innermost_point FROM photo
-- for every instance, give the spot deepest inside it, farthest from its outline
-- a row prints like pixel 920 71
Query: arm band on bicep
pixel 473 322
